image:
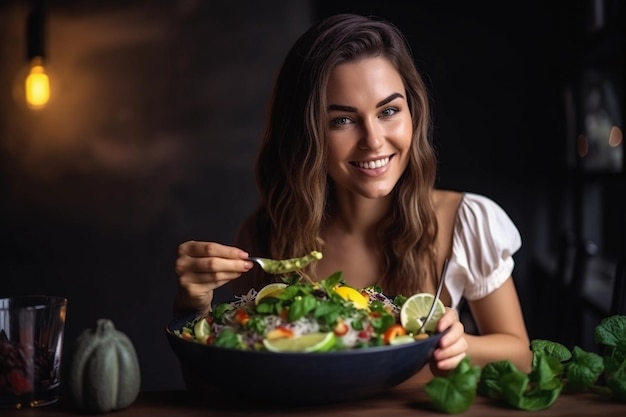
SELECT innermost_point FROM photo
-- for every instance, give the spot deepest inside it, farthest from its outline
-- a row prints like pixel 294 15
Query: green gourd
pixel 104 373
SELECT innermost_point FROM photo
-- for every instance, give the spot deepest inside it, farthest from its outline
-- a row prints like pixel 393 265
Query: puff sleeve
pixel 483 244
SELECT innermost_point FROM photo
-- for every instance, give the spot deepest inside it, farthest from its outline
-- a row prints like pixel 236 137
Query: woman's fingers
pixel 452 346
pixel 197 249
pixel 202 267
pixel 219 269
pixel 219 261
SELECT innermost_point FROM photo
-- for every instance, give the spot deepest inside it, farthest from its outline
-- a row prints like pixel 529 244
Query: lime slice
pixel 202 330
pixel 350 294
pixel 272 290
pixel 311 342
pixel 415 309
pixel 401 340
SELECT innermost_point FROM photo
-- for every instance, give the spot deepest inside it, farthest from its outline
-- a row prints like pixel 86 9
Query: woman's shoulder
pixel 475 219
pixel 483 222
pixel 443 199
pixel 479 208
pixel 454 201
pixel 446 204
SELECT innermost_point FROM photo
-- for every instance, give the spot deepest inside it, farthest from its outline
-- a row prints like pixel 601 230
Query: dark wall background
pixel 150 138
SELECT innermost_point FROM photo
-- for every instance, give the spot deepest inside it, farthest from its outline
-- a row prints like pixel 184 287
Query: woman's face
pixel 369 127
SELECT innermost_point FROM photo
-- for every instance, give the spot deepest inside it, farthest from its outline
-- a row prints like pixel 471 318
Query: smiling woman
pixel 347 167
pixel 370 133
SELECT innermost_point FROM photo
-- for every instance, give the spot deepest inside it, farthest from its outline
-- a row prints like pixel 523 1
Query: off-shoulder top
pixel 483 244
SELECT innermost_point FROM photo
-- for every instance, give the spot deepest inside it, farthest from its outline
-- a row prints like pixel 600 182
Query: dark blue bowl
pixel 301 378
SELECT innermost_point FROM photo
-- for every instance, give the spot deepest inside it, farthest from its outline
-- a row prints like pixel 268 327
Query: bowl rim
pixel 434 338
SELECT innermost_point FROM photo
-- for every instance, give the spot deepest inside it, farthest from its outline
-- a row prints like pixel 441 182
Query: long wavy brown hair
pixel 295 191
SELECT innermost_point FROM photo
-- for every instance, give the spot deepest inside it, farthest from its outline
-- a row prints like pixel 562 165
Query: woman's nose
pixel 371 135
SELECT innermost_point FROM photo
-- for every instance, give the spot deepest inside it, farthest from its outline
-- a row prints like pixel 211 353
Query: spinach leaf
pixel 490 384
pixel 535 391
pixel 550 348
pixel 454 393
pixel 585 369
pixel 553 369
pixel 519 393
pixel 611 332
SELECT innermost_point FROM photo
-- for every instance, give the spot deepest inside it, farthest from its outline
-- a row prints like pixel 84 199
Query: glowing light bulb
pixel 37 85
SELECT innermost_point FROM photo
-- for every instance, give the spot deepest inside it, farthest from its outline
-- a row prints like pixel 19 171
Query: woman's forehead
pixel 369 78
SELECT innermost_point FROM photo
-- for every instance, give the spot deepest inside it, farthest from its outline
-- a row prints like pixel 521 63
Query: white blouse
pixel 483 245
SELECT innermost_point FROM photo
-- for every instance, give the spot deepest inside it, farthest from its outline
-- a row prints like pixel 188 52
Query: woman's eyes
pixel 388 112
pixel 340 121
pixel 384 114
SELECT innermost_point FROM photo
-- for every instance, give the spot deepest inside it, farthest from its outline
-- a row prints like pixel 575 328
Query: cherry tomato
pixel 242 316
pixel 393 332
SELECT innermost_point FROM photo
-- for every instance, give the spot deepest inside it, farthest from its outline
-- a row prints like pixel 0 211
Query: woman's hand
pixel 202 267
pixel 452 346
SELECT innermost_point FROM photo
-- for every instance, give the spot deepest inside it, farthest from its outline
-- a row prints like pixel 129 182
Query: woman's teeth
pixel 372 164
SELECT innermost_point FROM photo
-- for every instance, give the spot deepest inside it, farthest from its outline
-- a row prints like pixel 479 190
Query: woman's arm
pixel 501 328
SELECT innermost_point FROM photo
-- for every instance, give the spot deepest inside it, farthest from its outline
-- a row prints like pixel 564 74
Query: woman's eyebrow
pixel 341 107
pixel 388 99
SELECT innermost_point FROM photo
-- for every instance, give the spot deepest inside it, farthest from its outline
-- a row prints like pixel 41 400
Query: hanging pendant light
pixel 37 82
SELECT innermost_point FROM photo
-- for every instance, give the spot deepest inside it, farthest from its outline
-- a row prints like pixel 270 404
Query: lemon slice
pixel 272 290
pixel 416 308
pixel 350 294
pixel 310 342
pixel 202 330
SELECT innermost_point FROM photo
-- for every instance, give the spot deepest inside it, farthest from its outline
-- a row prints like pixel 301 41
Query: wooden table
pixel 407 399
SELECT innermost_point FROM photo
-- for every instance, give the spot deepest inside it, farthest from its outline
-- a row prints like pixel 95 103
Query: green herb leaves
pixel 611 334
pixel 454 393
pixel 554 369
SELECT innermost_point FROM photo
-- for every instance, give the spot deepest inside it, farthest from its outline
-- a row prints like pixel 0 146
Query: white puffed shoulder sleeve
pixel 483 245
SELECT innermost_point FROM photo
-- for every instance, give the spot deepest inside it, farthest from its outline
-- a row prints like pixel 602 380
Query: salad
pixel 297 315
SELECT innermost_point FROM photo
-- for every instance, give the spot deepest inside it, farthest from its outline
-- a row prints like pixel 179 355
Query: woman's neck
pixel 357 215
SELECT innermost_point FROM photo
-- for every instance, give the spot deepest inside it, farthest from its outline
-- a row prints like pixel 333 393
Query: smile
pixel 378 163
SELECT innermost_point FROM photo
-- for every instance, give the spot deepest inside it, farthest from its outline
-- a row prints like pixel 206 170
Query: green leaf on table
pixel 585 369
pixel 547 372
pixel 611 332
pixel 519 394
pixel 455 392
pixel 490 384
pixel 535 391
pixel 550 348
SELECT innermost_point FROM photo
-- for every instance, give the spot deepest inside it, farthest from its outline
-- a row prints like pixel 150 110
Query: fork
pixel 437 294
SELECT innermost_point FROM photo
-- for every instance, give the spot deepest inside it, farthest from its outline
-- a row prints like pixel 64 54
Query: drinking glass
pixel 31 344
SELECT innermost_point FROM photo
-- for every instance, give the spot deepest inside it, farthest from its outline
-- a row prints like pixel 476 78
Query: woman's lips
pixel 372 164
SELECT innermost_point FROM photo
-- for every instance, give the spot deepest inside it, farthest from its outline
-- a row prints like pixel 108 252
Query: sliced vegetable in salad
pixel 298 315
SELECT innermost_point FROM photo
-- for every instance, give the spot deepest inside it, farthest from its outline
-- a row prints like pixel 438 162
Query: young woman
pixel 347 167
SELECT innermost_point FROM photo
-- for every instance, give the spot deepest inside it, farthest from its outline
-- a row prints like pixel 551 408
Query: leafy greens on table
pixel 555 369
